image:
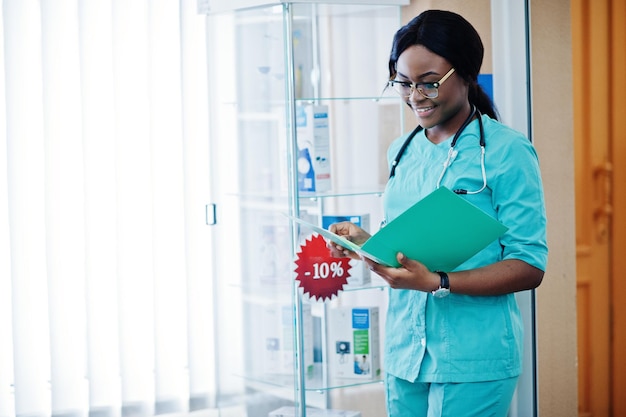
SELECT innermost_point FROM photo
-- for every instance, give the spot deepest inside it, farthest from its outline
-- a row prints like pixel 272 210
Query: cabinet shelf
pixel 313 383
pixel 272 197
pixel 387 97
pixel 348 192
pixel 266 293
pixel 317 383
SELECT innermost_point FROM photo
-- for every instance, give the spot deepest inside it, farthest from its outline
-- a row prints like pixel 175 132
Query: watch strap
pixel 444 286
pixel 445 280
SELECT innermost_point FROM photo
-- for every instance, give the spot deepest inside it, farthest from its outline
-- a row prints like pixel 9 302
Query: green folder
pixel 442 231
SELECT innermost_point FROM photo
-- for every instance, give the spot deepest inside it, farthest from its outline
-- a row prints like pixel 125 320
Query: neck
pixel 453 126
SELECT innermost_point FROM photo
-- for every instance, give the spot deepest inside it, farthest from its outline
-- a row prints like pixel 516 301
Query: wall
pixel 553 135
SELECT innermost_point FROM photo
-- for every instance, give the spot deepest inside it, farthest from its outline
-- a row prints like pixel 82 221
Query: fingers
pixel 402 259
pixel 411 274
pixel 342 228
pixel 338 251
pixel 380 269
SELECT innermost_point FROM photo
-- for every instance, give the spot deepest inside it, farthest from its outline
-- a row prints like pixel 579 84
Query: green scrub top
pixel 462 338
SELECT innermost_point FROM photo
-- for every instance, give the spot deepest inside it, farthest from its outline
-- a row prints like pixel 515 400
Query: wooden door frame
pixel 618 151
pixel 592 121
pixel 599 31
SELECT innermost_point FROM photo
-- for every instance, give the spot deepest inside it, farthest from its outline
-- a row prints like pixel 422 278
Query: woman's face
pixel 443 115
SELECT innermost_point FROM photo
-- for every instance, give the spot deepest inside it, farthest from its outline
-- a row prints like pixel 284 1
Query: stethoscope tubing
pixel 452 152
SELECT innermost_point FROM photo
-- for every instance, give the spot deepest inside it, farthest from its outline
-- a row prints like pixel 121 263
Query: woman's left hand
pixel 502 277
pixel 410 275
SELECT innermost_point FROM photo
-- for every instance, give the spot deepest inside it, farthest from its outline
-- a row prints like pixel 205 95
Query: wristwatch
pixel 444 287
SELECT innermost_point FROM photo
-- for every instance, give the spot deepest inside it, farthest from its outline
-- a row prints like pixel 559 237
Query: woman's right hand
pixel 350 231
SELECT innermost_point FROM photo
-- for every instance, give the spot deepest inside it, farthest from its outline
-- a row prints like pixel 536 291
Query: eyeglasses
pixel 428 90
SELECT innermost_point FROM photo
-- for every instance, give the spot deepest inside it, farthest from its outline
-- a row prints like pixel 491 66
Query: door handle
pixel 603 212
pixel 210 214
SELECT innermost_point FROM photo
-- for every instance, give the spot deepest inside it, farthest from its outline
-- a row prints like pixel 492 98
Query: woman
pixel 458 354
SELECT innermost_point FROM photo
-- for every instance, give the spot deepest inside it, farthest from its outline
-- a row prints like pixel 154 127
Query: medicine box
pixel 313 138
pixel 360 274
pixel 314 412
pixel 277 323
pixel 270 252
pixel 353 342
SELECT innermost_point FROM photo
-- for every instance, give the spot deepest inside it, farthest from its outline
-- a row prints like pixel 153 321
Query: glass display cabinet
pixel 276 68
pixel 299 126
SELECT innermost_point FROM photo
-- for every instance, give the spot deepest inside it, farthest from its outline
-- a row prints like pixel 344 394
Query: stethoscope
pixel 452 153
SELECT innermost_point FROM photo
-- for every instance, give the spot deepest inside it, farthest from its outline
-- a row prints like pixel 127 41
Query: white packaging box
pixel 270 251
pixel 353 342
pixel 313 412
pixel 313 138
pixel 360 274
pixel 278 327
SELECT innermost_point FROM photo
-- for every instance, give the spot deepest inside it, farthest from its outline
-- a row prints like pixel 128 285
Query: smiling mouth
pixel 423 109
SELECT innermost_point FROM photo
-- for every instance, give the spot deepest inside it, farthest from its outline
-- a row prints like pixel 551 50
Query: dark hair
pixel 450 36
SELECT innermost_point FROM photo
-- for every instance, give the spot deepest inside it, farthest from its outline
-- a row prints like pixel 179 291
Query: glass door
pixel 253 239
pixel 512 88
pixel 269 67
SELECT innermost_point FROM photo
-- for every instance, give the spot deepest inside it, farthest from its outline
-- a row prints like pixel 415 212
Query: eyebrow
pixel 420 76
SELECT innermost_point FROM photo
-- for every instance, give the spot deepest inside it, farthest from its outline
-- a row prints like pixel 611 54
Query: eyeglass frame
pixel 415 86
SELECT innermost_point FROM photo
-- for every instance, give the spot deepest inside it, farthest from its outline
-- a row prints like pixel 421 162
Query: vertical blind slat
pixel 7 404
pixel 26 192
pixel 64 197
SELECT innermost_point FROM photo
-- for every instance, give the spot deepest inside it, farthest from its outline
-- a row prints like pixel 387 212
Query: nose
pixel 415 96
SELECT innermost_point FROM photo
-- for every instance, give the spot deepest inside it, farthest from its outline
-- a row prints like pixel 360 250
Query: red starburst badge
pixel 320 275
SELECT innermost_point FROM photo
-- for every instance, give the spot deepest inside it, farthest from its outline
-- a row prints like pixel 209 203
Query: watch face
pixel 441 292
